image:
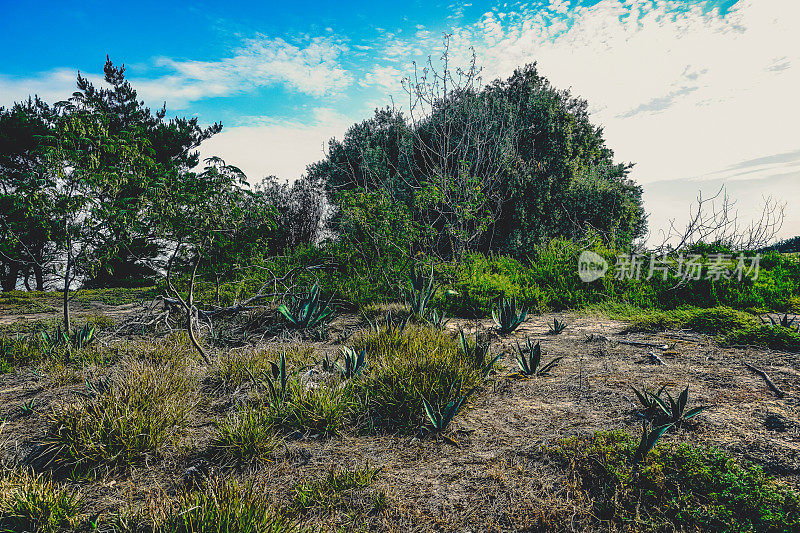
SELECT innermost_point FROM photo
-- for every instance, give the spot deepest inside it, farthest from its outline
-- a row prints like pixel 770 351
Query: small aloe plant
pixel 530 358
pixel 436 318
pixel 308 312
pixel 557 326
pixel 275 381
pixel 783 321
pixel 440 418
pixel 353 363
pixel 477 352
pixel 28 408
pixel 391 323
pixel 674 411
pixel 649 438
pixel 507 316
pixel 420 292
pixel 650 409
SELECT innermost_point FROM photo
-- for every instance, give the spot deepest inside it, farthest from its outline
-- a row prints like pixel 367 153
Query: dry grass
pixel 171 417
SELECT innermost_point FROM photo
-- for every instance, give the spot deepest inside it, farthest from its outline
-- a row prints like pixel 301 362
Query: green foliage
pixel 332 491
pixel 675 487
pixel 650 408
pixel 440 418
pixel 717 320
pixel 147 406
pixel 785 321
pixel 34 503
pixel 557 326
pixel 353 363
pixel 308 311
pixel 507 317
pixel 775 337
pixel 650 436
pixel 529 364
pixel 419 292
pixel 221 507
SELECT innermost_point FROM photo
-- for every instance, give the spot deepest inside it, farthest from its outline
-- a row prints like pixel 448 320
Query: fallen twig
pixel 769 382
pixel 654 358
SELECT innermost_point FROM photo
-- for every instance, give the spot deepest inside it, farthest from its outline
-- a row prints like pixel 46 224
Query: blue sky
pixel 696 93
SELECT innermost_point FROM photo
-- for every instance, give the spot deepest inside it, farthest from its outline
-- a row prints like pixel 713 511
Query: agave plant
pixel 529 364
pixel 557 326
pixel 476 352
pixel 308 312
pixel 783 321
pixel 674 411
pixel 56 339
pixel 436 318
pixel 28 408
pixel 649 439
pixel 441 418
pixel 650 409
pixel 507 316
pixel 420 292
pixel 83 337
pixel 275 381
pixel 353 363
pixel 391 323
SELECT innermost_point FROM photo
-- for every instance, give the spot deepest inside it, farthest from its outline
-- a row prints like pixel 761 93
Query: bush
pixel 406 367
pixel 144 407
pixel 717 320
pixel 775 337
pixel 682 487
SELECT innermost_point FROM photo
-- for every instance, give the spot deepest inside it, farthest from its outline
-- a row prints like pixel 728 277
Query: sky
pixel 697 94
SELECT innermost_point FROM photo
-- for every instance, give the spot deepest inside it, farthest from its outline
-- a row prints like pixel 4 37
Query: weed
pixel 506 315
pixel 245 436
pixel 530 365
pixel 557 326
pixel 221 507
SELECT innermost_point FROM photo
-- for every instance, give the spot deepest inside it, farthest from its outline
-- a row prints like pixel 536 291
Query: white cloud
pixel 52 86
pixel 310 68
pixel 275 146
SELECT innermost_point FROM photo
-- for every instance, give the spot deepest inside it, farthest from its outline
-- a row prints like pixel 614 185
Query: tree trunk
pixel 39 275
pixel 9 281
pixel 67 271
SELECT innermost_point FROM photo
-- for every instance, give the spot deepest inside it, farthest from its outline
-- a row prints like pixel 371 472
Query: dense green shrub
pixel 682 487
pixel 775 337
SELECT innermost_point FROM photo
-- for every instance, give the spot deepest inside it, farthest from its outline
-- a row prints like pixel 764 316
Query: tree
pixel 76 179
pixel 502 167
pixel 124 250
pixel 27 233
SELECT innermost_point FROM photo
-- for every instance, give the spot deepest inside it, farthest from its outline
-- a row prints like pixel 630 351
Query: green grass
pixel 405 368
pixel 767 335
pixel 229 367
pixel 34 503
pixel 682 487
pixel 332 491
pixel 145 407
pixel 245 436
pixel 220 507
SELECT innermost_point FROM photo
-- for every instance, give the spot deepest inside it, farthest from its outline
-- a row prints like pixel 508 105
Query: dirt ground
pixel 496 479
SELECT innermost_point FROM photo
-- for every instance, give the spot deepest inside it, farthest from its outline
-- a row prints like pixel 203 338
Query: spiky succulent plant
pixel 419 293
pixel 353 363
pixel 441 418
pixel 507 315
pixel 308 311
pixel 476 351
pixel 529 359
pixel 557 326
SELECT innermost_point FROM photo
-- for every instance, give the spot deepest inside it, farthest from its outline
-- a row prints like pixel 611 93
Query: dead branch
pixel 188 306
pixel 766 378
pixel 655 358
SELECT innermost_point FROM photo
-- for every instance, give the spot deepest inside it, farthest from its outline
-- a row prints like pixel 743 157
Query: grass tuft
pixel 34 503
pixel 146 407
